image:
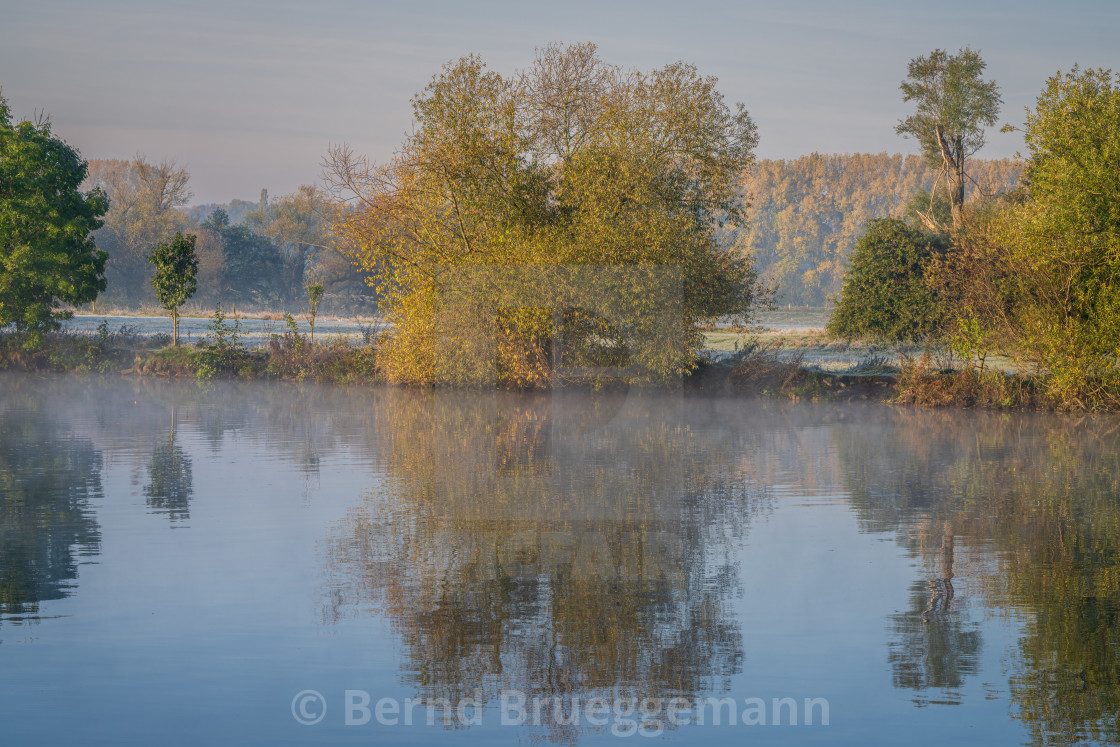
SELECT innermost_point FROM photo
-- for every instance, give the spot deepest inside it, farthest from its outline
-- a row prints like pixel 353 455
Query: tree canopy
pixel 176 268
pixel 806 214
pixel 885 293
pixel 47 256
pixel 953 104
pixel 572 163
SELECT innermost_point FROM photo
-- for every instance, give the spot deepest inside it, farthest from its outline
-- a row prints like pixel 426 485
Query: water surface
pixel 198 564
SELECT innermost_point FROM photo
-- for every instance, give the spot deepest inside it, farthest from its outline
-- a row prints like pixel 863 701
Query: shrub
pixel 885 295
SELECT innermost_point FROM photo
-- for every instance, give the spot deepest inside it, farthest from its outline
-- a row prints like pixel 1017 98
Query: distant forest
pixel 806 214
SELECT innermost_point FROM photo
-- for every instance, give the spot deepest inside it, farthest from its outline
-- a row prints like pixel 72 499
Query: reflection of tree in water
pixel 934 643
pixel 564 551
pixel 47 480
pixel 1038 497
pixel 170 480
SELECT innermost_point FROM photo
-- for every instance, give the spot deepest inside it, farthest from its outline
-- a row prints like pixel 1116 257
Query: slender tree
pixel 314 297
pixel 954 104
pixel 174 280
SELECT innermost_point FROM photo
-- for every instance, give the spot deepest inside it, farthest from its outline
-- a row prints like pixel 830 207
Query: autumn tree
pixel 174 280
pixel 570 164
pixel 47 256
pixel 953 105
pixel 144 201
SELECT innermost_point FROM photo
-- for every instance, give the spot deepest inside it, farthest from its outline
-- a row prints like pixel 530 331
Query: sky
pixel 250 95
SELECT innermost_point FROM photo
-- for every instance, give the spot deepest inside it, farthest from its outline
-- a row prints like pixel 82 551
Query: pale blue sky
pixel 250 94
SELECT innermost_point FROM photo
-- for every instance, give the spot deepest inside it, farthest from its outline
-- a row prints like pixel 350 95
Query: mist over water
pixel 182 561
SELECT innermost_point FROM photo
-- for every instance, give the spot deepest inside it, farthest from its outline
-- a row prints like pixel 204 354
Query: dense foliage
pixel 1061 245
pixel 47 256
pixel 252 255
pixel 562 217
pixel 885 294
pixel 1036 274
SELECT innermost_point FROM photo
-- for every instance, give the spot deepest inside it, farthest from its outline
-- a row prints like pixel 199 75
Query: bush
pixel 885 294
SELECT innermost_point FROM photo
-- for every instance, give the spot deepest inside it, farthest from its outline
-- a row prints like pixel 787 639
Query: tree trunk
pixel 956 197
pixel 175 328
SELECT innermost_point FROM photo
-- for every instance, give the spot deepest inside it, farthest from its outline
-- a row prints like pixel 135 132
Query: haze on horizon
pixel 251 94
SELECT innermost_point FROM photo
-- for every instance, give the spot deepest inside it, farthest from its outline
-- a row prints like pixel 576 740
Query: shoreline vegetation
pixel 582 224
pixel 764 363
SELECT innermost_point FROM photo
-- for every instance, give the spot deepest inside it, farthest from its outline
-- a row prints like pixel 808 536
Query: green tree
pixel 254 266
pixel 571 164
pixel 885 293
pixel 47 256
pixel 174 279
pixel 954 103
pixel 1064 239
pixel 314 298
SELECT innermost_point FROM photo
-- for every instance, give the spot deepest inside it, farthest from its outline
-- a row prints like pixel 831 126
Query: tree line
pixel 580 216
pixel 251 255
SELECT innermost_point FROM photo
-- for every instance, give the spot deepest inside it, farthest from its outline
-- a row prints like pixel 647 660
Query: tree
pixel 1063 242
pixel 295 223
pixel 144 202
pixel 954 103
pixel 254 266
pixel 47 256
pixel 314 297
pixel 174 279
pixel 885 294
pixel 476 232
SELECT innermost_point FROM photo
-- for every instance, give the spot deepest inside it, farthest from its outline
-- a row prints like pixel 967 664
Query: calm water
pixel 180 564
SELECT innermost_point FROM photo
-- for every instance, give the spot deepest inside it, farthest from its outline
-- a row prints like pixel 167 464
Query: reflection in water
pixel 565 550
pixel 47 479
pixel 170 482
pixel 1036 502
pixel 588 545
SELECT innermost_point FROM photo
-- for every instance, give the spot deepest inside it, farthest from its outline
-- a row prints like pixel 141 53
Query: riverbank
pixel 761 367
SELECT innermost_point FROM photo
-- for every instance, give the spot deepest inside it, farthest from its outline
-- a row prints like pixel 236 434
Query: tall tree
pixel 254 266
pixel 174 279
pixel 954 104
pixel 47 256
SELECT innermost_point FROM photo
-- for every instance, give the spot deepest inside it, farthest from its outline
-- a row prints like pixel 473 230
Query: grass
pixel 220 355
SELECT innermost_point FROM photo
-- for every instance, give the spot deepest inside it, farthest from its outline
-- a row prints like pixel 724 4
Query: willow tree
pixel 562 217
pixel 953 105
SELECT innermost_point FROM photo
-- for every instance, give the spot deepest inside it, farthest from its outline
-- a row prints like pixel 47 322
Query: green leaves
pixel 885 293
pixel 47 256
pixel 953 104
pixel 176 266
pixel 174 279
